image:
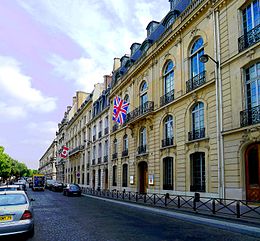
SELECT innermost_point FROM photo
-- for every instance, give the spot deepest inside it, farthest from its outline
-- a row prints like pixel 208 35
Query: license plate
pixel 5 218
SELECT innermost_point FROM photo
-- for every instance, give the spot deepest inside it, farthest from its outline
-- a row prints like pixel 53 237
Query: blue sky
pixel 49 49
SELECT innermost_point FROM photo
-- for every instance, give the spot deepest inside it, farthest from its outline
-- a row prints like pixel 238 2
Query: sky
pixel 49 49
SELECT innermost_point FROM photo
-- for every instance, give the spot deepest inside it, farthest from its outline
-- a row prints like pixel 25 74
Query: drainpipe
pixel 219 107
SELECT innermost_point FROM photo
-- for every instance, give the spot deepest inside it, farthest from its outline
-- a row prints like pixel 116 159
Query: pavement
pixel 238 226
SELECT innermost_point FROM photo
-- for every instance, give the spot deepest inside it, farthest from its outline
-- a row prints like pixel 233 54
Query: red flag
pixel 64 152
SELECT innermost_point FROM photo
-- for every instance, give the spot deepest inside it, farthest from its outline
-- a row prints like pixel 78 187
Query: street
pixel 62 218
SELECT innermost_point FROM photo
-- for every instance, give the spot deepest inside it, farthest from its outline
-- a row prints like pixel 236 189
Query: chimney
pixel 107 80
pixel 116 64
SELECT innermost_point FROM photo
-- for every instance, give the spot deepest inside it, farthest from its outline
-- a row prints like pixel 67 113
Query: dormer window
pixel 151 27
pixel 134 47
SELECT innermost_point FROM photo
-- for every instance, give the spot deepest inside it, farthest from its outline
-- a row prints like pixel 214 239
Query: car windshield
pixel 74 188
pixel 12 199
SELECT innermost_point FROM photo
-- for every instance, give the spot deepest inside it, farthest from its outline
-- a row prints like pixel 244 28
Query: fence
pixel 229 208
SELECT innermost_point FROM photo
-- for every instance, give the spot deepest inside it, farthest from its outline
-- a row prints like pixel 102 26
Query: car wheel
pixel 30 234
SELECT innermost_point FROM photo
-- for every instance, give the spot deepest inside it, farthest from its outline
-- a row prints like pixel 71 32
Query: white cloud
pixel 18 93
pixel 11 112
pixel 43 127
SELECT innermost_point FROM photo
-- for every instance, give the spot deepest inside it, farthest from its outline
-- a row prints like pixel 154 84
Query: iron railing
pixel 125 153
pixel 167 98
pixel 142 149
pixel 167 142
pixel 196 81
pixel 147 107
pixel 76 150
pixel 196 134
pixel 250 116
pixel 222 208
pixel 249 38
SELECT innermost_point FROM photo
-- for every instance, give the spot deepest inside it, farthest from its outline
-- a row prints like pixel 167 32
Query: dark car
pixel 72 190
pixel 57 187
pixel 49 183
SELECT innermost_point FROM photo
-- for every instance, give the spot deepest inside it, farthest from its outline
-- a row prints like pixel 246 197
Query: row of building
pixel 193 121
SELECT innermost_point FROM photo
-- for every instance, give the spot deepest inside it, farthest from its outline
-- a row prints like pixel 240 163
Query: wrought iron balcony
pixel 99 160
pixel 105 159
pixel 142 149
pixel 76 150
pixel 249 38
pixel 147 107
pixel 99 134
pixel 196 81
pixel 114 155
pixel 167 98
pixel 250 116
pixel 196 134
pixel 115 127
pixel 125 153
pixel 167 142
pixel 106 130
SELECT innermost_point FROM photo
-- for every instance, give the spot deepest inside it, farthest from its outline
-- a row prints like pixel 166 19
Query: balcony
pixel 99 160
pixel 142 149
pixel 167 142
pixel 196 81
pixel 250 116
pixel 114 156
pixel 196 134
pixel 94 161
pixel 105 159
pixel 99 134
pixel 76 150
pixel 147 107
pixel 115 127
pixel 125 153
pixel 167 98
pixel 249 39
pixel 106 130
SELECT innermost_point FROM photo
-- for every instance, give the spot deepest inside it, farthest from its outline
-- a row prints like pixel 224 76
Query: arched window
pixel 167 131
pixel 197 50
pixel 198 129
pixel 124 175
pixel 142 141
pixel 168 88
pixel 143 97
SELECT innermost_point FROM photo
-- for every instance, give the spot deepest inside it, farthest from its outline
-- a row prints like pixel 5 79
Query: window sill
pixel 197 140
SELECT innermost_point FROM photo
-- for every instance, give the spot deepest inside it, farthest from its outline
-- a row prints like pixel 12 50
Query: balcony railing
pixel 167 98
pixel 105 159
pixel 125 153
pixel 167 142
pixel 106 130
pixel 196 134
pixel 99 160
pixel 99 134
pixel 147 107
pixel 250 116
pixel 114 155
pixel 142 149
pixel 249 38
pixel 76 150
pixel 196 81
pixel 115 127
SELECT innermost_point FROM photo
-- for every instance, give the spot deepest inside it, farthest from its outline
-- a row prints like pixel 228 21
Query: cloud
pixel 11 112
pixel 17 92
pixel 43 127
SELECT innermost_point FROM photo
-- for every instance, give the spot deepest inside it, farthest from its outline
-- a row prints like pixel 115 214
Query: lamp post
pixel 220 147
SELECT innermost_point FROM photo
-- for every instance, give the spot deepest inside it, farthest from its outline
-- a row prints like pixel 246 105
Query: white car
pixel 16 214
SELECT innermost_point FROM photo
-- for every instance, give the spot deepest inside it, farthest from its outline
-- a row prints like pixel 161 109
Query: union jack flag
pixel 120 110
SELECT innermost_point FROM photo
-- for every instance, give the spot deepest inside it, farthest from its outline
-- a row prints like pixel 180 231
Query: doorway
pixel 143 177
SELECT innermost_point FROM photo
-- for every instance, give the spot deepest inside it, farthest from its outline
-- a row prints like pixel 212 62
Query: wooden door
pixel 143 177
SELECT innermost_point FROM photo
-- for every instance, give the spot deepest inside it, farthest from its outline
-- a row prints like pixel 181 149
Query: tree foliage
pixel 10 167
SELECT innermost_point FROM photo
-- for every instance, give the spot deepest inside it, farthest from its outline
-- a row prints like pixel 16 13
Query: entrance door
pixel 253 173
pixel 106 179
pixel 143 177
pixel 94 179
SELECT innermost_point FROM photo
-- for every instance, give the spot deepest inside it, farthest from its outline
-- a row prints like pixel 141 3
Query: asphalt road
pixel 62 218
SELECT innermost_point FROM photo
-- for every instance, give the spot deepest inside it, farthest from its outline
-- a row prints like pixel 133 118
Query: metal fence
pixel 229 208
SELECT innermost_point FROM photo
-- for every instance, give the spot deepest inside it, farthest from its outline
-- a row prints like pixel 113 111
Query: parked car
pixel 72 190
pixel 49 183
pixel 16 214
pixel 10 188
pixel 57 187
pixel 22 185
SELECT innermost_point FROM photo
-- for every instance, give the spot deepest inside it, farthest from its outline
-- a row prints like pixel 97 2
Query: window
pixel 88 178
pixel 125 174
pixel 106 148
pixel 198 130
pixel 198 172
pixel 100 129
pixel 197 50
pixel 168 131
pixel 115 145
pixel 99 150
pixel 143 95
pixel 128 101
pixel 99 177
pixel 125 142
pixel 168 76
pixel 94 152
pixel 168 173
pixel 142 141
pixel 114 175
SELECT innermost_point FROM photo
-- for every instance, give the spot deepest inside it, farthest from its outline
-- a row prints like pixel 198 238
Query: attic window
pixel 170 22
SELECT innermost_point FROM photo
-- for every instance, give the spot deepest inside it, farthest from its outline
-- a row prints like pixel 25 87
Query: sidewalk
pixel 239 226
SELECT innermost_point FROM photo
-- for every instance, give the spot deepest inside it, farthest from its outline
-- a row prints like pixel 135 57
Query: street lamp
pixel 204 58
